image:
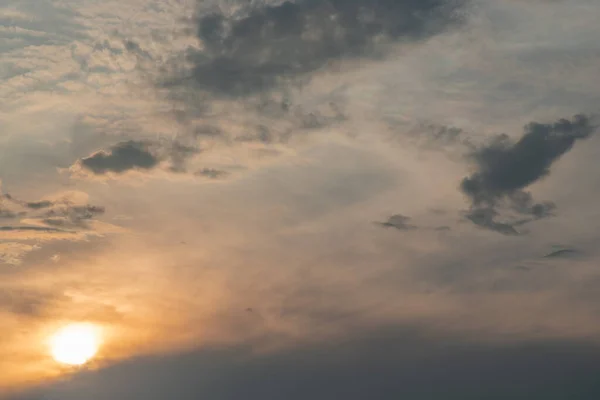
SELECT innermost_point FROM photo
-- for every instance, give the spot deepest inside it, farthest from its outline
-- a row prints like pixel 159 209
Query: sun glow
pixel 75 344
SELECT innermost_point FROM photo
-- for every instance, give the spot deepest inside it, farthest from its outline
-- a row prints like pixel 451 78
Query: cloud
pixel 269 43
pixel 6 214
pixel 178 154
pixel 33 205
pixel 62 211
pixel 36 205
pixel 12 253
pixel 430 136
pixel 121 157
pixel 563 253
pixel 64 217
pixel 485 218
pixel 29 228
pixel 399 222
pixel 504 169
pixel 135 48
pixel 138 155
pixel 72 216
pixel 211 173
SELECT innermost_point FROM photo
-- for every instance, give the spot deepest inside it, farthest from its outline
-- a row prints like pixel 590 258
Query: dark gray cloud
pixel 121 157
pixel 36 205
pixel 254 51
pixel 506 168
pixel 140 155
pixel 399 222
pixel 383 365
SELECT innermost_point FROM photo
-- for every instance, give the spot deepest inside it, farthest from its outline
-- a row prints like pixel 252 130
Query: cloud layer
pixel 384 364
pixel 316 118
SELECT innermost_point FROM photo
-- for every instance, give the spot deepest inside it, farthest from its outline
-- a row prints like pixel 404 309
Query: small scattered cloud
pixel 135 48
pixel 504 169
pixel 212 173
pixel 72 216
pixel 563 253
pixel 398 221
pixel 121 157
pixel 36 205
pixel 138 155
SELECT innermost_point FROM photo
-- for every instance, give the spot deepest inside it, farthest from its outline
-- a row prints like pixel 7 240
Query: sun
pixel 75 344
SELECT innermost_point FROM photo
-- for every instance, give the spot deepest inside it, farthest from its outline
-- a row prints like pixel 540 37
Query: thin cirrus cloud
pixel 28 224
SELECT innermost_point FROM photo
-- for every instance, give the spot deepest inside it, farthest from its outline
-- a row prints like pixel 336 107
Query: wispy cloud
pixel 29 224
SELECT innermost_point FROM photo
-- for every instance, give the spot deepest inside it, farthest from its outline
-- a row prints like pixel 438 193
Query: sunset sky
pixel 303 199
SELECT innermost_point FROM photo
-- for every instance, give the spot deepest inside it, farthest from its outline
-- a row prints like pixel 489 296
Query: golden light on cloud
pixel 75 344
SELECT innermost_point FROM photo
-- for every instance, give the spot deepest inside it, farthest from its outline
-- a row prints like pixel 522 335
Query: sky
pixel 303 199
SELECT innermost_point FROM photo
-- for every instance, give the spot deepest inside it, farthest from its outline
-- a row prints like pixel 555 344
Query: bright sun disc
pixel 75 344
